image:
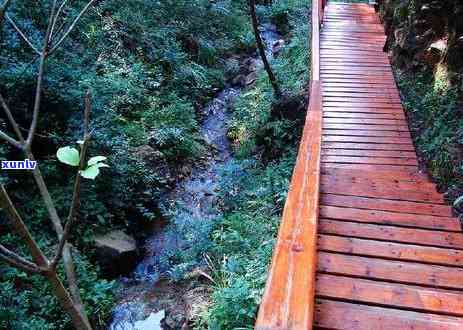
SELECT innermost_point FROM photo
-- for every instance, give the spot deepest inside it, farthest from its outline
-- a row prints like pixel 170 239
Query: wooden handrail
pixel 289 297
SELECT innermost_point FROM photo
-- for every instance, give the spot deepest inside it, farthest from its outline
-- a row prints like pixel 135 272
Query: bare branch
pixel 17 261
pixel 11 119
pixel 75 203
pixel 55 19
pixel 21 33
pixel 71 27
pixel 9 139
pixel 38 91
pixel 7 205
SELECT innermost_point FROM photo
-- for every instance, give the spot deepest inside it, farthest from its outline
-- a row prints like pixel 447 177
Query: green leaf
pixel 92 171
pixel 96 159
pixel 68 155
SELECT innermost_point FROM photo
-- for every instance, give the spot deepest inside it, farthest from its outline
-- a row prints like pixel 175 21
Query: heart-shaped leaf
pixel 96 159
pixel 92 171
pixel 68 155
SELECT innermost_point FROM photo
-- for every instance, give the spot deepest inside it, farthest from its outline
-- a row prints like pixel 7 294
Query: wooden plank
pixel 367 100
pixel 382 204
pixel 392 233
pixel 367 127
pixel 371 167
pixel 348 316
pixel 352 104
pixel 365 121
pixel 388 86
pixel 359 92
pixel 393 175
pixel 366 139
pixel 389 179
pixel 390 218
pixel 367 146
pixel 390 270
pixel 364 110
pixel 369 132
pixel 369 153
pixel 390 294
pixel 369 160
pixel 389 250
pixel 339 114
pixel 380 189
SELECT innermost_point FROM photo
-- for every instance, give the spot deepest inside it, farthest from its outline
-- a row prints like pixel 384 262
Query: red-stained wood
pixel 390 251
pixel 378 189
pixel 331 314
pixel 383 204
pixel 405 272
pixel 294 259
pixel 390 294
pixel 367 146
pixel 392 233
pixel 368 153
pixel 338 114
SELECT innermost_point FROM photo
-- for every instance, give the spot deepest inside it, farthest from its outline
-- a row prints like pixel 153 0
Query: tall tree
pixel 261 48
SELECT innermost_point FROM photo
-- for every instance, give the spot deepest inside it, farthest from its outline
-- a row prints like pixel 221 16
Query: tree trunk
pixel 79 320
pixel 261 48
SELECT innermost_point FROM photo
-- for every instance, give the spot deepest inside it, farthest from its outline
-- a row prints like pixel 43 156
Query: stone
pixel 116 252
pixel 250 78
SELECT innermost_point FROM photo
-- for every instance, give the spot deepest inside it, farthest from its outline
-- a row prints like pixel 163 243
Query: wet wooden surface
pixel 390 253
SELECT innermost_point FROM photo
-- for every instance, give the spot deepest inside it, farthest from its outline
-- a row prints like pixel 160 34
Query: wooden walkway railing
pixel 365 240
pixel 294 260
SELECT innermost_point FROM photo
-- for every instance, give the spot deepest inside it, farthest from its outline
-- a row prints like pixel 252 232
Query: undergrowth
pixel 436 122
pixel 244 237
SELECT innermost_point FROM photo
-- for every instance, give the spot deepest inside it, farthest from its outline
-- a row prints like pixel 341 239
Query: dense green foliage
pixel 147 73
pixel 244 237
pixel 436 124
pixel 150 65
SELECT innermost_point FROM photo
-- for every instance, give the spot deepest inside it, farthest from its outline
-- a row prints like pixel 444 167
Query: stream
pixel 146 294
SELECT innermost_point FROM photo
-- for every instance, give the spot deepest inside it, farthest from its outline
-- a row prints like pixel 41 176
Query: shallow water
pixel 193 201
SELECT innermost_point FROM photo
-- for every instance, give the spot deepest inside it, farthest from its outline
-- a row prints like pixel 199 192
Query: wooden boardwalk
pixel 389 253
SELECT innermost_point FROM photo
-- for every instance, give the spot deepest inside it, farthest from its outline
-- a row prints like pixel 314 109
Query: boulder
pixel 116 252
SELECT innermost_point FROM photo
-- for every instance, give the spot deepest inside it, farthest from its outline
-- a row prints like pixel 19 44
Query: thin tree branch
pixel 71 27
pixel 19 262
pixel 75 203
pixel 18 224
pixel 55 19
pixel 260 47
pixel 38 91
pixel 10 140
pixel 11 119
pixel 21 33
